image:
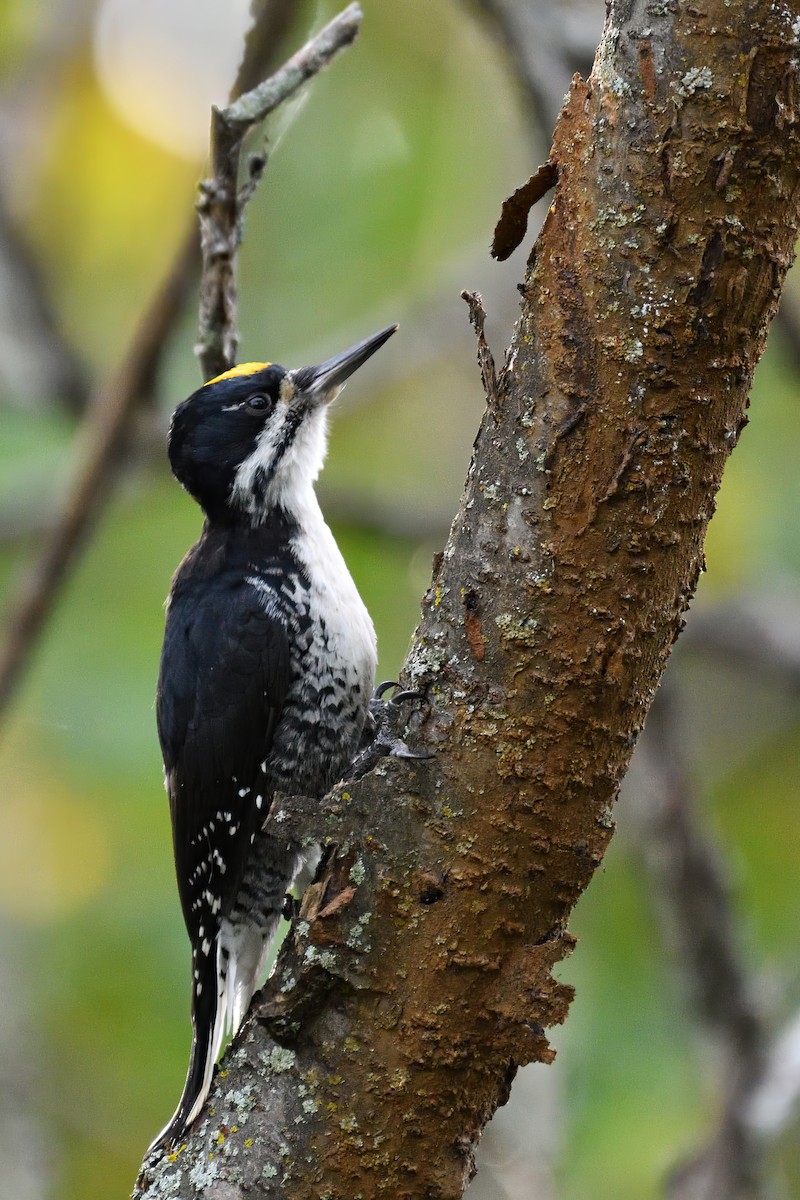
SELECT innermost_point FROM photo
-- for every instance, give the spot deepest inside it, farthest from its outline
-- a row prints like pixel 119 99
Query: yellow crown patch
pixel 240 369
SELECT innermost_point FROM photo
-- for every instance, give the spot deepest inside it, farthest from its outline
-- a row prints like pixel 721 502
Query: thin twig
pixel 110 414
pixel 222 199
pixel 477 318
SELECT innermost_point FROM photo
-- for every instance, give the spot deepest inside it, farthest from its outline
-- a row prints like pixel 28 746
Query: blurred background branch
pixel 38 364
pixel 701 932
pixel 103 440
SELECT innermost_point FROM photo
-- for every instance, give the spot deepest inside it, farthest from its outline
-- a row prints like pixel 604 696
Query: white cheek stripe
pixel 293 476
pixel 267 443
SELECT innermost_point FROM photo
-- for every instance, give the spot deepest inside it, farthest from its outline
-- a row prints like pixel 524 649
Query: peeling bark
pixel 420 972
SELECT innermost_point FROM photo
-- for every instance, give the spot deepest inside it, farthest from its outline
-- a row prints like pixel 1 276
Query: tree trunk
pixel 420 973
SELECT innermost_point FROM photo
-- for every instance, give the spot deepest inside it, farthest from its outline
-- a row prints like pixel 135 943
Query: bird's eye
pixel 258 402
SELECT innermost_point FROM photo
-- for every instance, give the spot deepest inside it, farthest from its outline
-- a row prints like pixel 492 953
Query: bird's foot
pixel 380 739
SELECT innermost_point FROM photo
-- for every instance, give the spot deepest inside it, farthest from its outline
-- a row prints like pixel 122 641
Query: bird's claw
pixel 404 696
pixel 400 697
pixel 381 719
pixel 401 750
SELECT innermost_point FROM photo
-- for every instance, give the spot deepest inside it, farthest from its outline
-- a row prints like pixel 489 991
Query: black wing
pixel 223 681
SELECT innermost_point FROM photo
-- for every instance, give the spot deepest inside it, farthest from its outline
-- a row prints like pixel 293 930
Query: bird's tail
pixel 209 1013
pixel 224 981
pixel 246 946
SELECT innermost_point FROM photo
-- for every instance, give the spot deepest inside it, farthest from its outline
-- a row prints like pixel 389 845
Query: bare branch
pixel 254 106
pixel 222 199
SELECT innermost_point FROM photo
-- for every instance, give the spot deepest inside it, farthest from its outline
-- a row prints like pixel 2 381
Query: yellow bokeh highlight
pixel 109 210
pixel 54 853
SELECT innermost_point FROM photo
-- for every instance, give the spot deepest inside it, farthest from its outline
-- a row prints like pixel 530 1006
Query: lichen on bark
pixel 420 973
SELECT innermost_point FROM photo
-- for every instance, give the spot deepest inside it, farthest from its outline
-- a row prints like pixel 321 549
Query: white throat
pixel 334 597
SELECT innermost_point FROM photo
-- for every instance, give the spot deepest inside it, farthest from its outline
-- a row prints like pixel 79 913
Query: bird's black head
pixel 254 438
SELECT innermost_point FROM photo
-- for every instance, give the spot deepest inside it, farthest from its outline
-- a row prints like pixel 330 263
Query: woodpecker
pixel 266 673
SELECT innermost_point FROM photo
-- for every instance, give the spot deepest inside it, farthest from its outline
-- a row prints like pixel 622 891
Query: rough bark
pixel 420 973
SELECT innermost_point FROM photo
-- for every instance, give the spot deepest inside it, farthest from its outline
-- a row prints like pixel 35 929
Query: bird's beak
pixel 321 383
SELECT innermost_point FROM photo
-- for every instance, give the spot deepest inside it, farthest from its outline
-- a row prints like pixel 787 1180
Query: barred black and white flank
pixel 266 673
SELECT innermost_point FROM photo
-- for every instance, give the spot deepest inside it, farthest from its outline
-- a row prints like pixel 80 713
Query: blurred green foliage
pixel 377 205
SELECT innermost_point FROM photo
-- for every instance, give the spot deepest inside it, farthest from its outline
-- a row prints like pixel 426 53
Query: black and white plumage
pixel 266 673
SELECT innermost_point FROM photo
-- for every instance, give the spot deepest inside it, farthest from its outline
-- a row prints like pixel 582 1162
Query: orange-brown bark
pixel 420 973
